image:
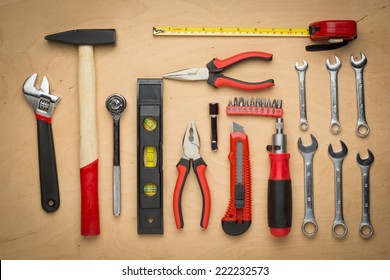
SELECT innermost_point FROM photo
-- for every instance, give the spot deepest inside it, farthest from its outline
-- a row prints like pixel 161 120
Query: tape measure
pixel 337 32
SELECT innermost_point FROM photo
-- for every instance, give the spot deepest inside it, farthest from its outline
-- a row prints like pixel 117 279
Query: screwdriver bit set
pixel 255 107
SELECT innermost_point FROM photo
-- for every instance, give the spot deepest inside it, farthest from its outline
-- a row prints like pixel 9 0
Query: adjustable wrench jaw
pixel 41 100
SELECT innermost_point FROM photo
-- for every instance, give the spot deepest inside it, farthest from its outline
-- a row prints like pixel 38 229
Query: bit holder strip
pixel 259 107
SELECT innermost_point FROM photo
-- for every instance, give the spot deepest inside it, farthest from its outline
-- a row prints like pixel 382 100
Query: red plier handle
pixel 183 168
pixel 216 66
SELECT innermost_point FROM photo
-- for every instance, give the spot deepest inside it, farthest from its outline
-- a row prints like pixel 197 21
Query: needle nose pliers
pixel 191 147
pixel 213 72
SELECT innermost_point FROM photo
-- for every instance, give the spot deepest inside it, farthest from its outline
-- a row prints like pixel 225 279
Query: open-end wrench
pixel 366 230
pixel 333 69
pixel 308 155
pixel 303 123
pixel 339 228
pixel 116 104
pixel 43 104
pixel 362 128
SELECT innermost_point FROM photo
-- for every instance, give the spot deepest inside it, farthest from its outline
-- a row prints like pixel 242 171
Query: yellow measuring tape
pixel 230 31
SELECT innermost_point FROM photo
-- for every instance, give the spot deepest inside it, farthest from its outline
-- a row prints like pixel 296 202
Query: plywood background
pixel 27 232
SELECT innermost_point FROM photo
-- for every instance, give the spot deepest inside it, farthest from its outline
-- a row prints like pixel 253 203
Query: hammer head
pixel 84 37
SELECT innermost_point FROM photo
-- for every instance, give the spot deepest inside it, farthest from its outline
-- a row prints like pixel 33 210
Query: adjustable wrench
pixel 366 230
pixel 303 123
pixel 333 69
pixel 308 155
pixel 43 104
pixel 362 128
pixel 339 227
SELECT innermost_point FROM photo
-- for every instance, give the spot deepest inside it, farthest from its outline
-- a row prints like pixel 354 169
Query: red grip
pixel 183 171
pixel 224 63
pixel 204 186
pixel 43 118
pixel 233 83
pixel 89 199
pixel 279 169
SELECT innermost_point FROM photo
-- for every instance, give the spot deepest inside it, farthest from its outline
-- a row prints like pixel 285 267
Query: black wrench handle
pixel 50 196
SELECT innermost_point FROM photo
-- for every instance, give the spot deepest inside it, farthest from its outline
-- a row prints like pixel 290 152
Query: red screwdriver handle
pixel 279 195
pixel 199 169
pixel 218 65
pixel 183 167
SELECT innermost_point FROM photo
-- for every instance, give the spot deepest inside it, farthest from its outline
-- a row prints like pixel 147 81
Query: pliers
pixel 214 68
pixel 191 147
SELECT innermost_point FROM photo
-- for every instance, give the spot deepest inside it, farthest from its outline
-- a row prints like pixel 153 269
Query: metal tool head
pixel 237 127
pixel 40 99
pixel 338 155
pixel 84 37
pixel 333 67
pixel 116 104
pixel 191 74
pixel 308 149
pixel 365 162
pixel 302 67
pixel 360 63
pixel 191 142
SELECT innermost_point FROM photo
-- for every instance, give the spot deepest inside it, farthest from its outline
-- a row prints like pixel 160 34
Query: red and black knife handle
pixel 219 80
pixel 279 195
pixel 218 65
pixel 50 195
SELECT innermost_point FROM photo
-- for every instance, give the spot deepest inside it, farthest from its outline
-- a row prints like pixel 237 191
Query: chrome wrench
pixel 333 69
pixel 116 104
pixel 308 155
pixel 339 228
pixel 303 123
pixel 43 104
pixel 366 230
pixel 362 128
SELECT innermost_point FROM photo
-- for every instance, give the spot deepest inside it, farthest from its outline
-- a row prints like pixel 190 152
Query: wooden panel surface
pixel 27 232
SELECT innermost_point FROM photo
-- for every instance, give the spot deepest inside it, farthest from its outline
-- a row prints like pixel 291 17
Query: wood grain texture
pixel 27 232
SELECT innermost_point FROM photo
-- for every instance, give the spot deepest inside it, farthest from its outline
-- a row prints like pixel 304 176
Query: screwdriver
pixel 279 184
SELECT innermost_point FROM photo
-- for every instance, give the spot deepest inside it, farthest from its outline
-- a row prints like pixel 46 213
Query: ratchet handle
pixel 183 167
pixel 50 195
pixel 218 65
pixel 199 168
pixel 279 195
pixel 219 80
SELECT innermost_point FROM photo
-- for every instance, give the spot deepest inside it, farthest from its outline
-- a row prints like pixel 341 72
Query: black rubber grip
pixel 279 203
pixel 50 195
pixel 116 143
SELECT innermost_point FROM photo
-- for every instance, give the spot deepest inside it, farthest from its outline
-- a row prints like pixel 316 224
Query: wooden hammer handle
pixel 88 142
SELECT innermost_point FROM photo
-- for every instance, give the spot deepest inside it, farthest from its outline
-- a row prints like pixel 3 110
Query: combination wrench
pixel 339 227
pixel 362 128
pixel 333 69
pixel 116 104
pixel 301 69
pixel 308 155
pixel 366 230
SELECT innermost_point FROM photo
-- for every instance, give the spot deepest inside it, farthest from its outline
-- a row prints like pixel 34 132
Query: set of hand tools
pixel 238 216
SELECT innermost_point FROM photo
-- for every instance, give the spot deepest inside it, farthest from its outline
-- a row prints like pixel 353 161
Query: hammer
pixel 86 39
